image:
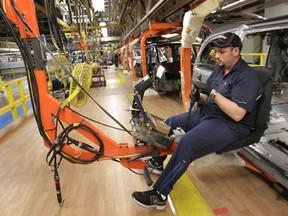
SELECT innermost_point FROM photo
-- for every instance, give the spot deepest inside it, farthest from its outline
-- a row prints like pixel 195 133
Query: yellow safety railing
pixel 12 103
pixel 1 88
pixel 13 72
pixel 261 57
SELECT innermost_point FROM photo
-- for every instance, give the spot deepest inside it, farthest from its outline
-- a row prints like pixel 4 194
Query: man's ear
pixel 236 51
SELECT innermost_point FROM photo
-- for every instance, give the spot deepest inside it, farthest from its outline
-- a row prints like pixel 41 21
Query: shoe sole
pixel 149 206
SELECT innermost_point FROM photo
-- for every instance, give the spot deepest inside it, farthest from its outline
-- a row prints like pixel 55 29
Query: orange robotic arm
pixel 49 113
pixel 49 107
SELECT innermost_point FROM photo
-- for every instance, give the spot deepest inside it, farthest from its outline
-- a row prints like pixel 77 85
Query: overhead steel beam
pixel 172 7
pixel 168 8
pixel 263 6
pixel 95 27
pixel 123 11
pixel 237 4
pixel 156 7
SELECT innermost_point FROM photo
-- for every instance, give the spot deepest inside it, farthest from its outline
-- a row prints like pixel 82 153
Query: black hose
pixel 189 113
pixel 33 88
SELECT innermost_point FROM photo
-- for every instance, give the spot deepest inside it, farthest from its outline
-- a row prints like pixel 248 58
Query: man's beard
pixel 219 63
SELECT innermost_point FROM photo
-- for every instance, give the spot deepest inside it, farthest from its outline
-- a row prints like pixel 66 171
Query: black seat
pixel 263 112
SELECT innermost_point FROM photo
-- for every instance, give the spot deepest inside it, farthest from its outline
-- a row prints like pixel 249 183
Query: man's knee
pixel 184 150
pixel 191 147
pixel 169 121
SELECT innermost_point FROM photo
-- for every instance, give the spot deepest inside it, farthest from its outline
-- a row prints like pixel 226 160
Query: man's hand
pixel 202 87
pixel 194 95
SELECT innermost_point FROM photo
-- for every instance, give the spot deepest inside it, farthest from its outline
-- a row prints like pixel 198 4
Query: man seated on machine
pixel 228 113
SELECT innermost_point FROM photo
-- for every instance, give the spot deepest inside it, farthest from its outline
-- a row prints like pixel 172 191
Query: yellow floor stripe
pixel 187 199
pixel 121 78
pixel 130 98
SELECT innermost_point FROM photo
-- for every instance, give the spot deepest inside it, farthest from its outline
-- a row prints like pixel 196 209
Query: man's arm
pixel 229 107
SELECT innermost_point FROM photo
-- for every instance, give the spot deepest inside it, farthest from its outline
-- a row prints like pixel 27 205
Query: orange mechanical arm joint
pixel 26 9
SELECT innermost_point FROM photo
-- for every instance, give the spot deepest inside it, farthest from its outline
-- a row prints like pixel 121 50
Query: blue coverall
pixel 209 129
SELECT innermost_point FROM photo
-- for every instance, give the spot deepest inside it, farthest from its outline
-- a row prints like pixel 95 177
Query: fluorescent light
pixel 104 31
pixel 237 4
pixel 170 35
pixel 98 5
pixel 232 4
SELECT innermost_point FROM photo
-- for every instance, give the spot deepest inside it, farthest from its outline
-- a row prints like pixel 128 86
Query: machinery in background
pixel 82 73
pixel 137 60
pixel 11 63
pixel 58 82
pixel 163 64
pixel 98 75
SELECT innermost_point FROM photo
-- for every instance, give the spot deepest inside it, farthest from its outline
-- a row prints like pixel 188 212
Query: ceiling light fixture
pixel 104 31
pixel 170 35
pixel 237 4
pixel 98 5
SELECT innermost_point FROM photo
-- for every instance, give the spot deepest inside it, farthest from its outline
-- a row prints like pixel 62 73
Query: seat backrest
pixel 264 104
pixel 263 111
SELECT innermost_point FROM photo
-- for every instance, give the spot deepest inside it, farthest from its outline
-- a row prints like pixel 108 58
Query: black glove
pixel 194 95
pixel 202 87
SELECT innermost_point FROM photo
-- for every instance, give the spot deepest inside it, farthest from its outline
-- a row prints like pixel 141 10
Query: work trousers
pixel 205 134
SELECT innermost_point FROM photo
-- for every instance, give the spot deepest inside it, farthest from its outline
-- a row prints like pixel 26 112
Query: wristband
pixel 213 94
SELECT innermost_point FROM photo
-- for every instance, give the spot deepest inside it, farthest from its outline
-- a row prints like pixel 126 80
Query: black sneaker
pixel 149 199
pixel 154 167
